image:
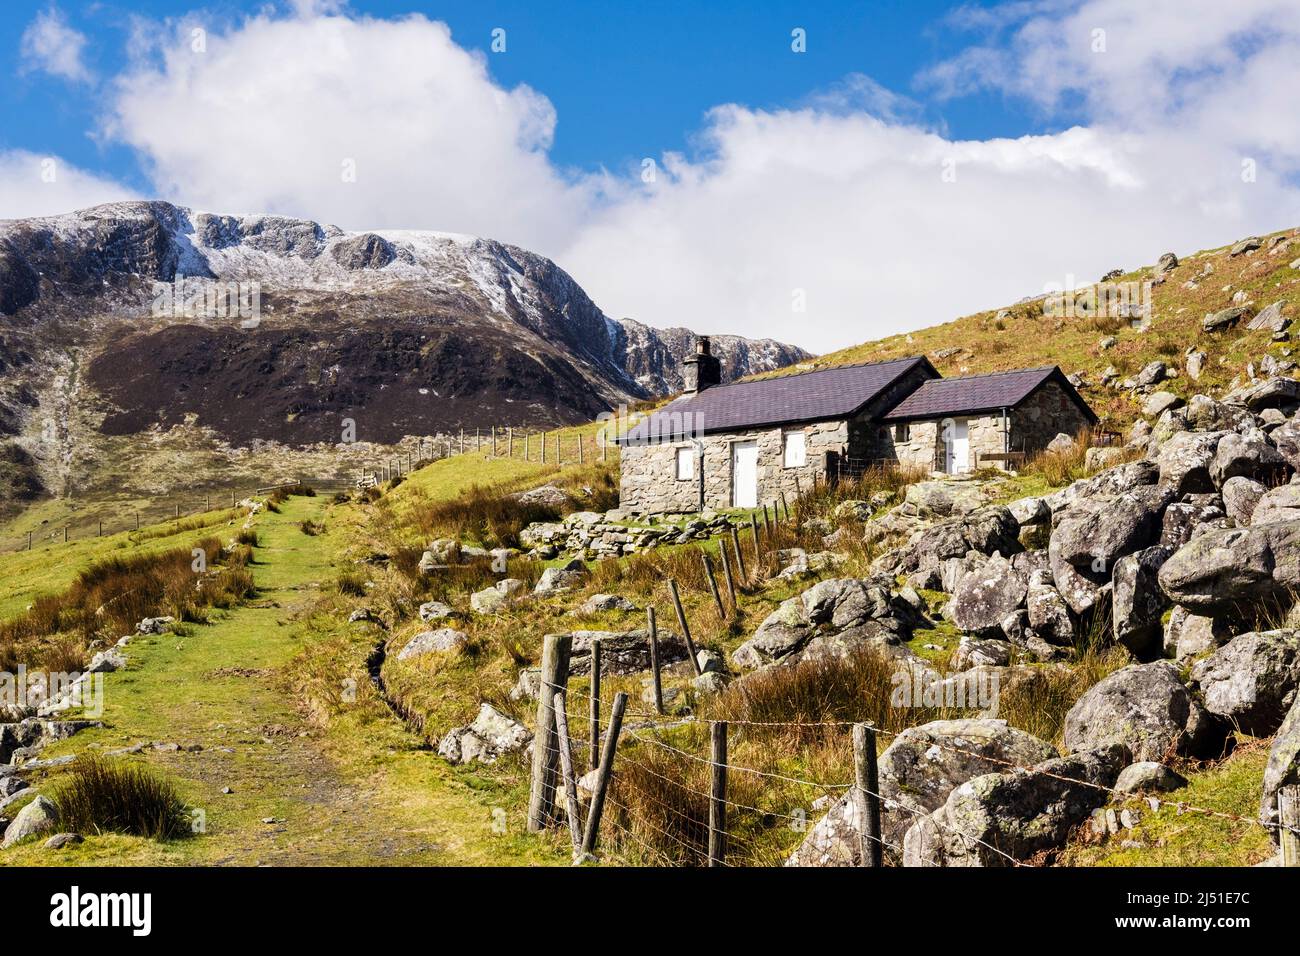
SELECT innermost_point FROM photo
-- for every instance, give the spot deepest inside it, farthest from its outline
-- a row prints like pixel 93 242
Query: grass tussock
pixel 112 595
pixel 1061 467
pixel 482 513
pixel 311 528
pixel 103 796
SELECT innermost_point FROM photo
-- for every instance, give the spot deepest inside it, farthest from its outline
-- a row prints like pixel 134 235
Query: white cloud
pixel 49 45
pixel 843 198
pixel 363 122
pixel 36 185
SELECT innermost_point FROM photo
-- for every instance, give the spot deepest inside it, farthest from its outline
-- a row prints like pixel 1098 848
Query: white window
pixel 685 464
pixel 795 455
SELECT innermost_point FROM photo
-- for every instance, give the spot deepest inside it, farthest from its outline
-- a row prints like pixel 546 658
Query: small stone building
pixel 746 443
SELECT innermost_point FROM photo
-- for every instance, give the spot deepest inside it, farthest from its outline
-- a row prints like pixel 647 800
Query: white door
pixel 958 446
pixel 744 474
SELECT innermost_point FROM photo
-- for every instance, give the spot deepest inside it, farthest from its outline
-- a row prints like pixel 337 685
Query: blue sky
pixel 918 161
pixel 627 79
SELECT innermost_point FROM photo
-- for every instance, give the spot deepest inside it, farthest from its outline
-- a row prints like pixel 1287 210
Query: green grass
pixel 50 568
pixel 356 789
pixel 1168 838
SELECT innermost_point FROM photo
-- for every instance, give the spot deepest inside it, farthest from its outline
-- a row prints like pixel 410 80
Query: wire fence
pixel 652 790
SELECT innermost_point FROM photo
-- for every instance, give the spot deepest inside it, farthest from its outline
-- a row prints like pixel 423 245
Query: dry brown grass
pixel 112 595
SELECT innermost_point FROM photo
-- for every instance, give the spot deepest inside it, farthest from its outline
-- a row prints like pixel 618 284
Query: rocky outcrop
pixel 917 773
pixel 442 640
pixel 999 819
pixel 831 617
pixel 1223 571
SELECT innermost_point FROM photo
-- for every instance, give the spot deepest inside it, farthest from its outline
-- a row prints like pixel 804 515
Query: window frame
pixel 902 432
pixel 677 463
pixel 785 448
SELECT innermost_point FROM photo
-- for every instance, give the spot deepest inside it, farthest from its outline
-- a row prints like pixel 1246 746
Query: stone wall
pixel 648 473
pixel 1044 415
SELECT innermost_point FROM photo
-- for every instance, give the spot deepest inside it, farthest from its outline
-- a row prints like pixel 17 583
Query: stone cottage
pixel 742 444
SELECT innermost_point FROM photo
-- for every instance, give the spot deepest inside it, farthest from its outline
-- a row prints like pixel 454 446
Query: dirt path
pixel 215 699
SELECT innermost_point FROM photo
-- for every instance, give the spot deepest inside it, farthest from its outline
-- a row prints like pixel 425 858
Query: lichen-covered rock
pixel 1188 635
pixel 1247 456
pixel 1221 571
pixel 1049 615
pixel 435 611
pixel 1146 709
pixel 555 580
pixel 491 735
pixel 1185 459
pixel 444 639
pixel 1148 776
pixel 496 598
pixel 1277 505
pixel 38 817
pixel 1091 536
pixel 916 774
pixel 1283 767
pixel 1001 818
pixel 985 596
pixel 1251 681
pixel 600 603
pixel 1137 601
pixel 831 616
pixel 1240 497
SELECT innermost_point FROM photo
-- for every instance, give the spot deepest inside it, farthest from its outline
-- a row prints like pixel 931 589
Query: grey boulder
pixel 1144 708
pixel 1251 681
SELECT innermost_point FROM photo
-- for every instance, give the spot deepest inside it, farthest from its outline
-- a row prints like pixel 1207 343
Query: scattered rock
pixel 491 735
pixel 599 603
pixel 427 642
pixel 37 818
pixel 60 840
pixel 1147 776
pixel 435 611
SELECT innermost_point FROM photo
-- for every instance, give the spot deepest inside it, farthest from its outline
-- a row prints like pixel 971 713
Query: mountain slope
pixel 1108 348
pixel 406 333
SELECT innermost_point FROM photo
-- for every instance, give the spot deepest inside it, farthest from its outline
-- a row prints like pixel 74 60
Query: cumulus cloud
pixel 36 185
pixel 365 122
pixel 848 205
pixel 51 46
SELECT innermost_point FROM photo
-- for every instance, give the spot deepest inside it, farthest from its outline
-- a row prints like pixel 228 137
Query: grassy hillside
pixel 1020 335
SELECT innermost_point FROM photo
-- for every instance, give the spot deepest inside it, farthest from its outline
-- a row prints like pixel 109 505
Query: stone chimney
pixel 702 370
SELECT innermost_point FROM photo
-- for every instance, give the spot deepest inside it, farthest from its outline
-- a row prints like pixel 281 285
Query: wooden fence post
pixel 580 448
pixel 603 774
pixel 718 795
pixel 596 669
pixel 865 794
pixel 137 521
pixel 65 534
pixel 510 441
pixel 758 557
pixel 526 437
pixel 554 677
pixel 559 449
pixel 681 622
pixel 740 558
pixel 566 768
pixel 1288 813
pixel 713 584
pixel 726 573
pixel 653 628
pixel 29 541
pixel 785 505
pixel 543 447
pixel 767 522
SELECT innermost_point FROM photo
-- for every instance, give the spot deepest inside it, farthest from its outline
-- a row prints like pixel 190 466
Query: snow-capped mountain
pixel 410 332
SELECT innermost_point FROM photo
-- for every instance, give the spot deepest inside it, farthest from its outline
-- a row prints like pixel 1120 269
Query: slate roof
pixel 980 393
pixel 821 395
